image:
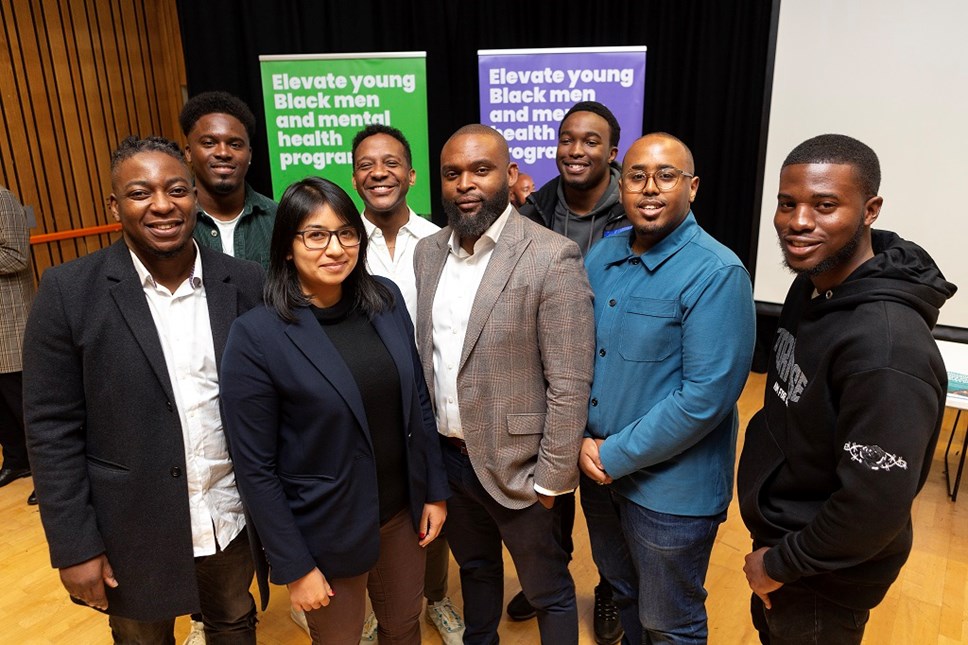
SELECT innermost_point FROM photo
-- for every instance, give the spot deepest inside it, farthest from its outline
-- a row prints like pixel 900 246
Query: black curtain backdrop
pixel 706 66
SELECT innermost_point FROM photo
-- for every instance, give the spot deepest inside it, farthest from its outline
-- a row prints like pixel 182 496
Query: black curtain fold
pixel 705 70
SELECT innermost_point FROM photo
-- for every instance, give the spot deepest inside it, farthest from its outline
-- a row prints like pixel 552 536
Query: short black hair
pixel 282 289
pixel 133 145
pixel 379 128
pixel 840 149
pixel 212 103
pixel 614 129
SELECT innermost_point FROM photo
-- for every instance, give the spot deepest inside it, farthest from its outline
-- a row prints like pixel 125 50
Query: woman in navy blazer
pixel 330 426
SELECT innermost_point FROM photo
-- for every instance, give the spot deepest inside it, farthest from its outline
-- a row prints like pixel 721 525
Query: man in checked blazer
pixel 16 295
pixel 506 335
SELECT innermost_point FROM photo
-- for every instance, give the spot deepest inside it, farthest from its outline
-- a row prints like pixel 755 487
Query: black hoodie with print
pixel 854 401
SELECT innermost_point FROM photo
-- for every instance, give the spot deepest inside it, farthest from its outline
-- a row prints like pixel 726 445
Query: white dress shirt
pixel 398 268
pixel 453 301
pixel 185 332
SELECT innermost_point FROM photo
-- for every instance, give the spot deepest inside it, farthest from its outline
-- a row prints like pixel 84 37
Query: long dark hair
pixel 282 289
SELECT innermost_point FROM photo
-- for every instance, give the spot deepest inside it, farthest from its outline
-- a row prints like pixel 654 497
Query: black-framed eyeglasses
pixel 665 179
pixel 317 239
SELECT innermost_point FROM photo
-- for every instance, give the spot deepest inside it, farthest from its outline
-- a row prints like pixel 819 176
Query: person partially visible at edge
pixel 232 217
pixel 16 296
pixel 854 401
pixel 675 328
pixel 331 427
pixel 582 202
pixel 521 189
pixel 137 491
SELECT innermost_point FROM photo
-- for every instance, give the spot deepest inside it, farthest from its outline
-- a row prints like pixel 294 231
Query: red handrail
pixel 77 232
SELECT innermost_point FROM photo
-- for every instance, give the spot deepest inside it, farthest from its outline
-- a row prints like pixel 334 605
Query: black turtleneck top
pixel 377 378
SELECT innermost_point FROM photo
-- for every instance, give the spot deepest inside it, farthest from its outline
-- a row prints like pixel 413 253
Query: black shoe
pixel 32 499
pixel 7 475
pixel 608 626
pixel 520 609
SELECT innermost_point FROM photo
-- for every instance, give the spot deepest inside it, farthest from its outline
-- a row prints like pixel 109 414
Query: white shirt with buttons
pixel 453 301
pixel 398 268
pixel 185 332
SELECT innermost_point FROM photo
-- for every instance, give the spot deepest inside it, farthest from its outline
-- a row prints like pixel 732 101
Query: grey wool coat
pixel 103 433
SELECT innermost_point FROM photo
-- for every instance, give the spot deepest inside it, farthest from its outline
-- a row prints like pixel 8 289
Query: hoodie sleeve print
pixel 885 434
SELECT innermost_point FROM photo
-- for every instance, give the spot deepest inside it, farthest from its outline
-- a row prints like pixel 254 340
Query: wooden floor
pixel 926 605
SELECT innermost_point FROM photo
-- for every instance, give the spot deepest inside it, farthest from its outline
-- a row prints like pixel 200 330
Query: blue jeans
pixel 228 610
pixel 655 562
pixel 801 617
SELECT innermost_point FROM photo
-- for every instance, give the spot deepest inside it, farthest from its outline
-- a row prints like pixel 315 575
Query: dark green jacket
pixel 252 234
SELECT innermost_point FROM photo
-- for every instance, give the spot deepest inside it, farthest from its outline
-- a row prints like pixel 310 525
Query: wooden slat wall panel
pixel 76 77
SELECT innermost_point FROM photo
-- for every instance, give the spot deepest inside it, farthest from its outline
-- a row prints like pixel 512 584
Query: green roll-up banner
pixel 316 103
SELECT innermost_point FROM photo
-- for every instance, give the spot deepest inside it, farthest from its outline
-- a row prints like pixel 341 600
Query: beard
pixel 224 186
pixel 840 257
pixel 473 226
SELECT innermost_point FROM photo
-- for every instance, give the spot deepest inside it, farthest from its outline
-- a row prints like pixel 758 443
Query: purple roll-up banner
pixel 526 92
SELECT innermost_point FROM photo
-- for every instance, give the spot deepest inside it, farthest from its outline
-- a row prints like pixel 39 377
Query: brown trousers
pixel 395 584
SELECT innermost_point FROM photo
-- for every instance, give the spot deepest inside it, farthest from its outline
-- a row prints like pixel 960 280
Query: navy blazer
pixel 301 447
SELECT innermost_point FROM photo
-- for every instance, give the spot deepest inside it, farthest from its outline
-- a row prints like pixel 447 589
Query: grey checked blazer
pixel 526 367
pixel 16 281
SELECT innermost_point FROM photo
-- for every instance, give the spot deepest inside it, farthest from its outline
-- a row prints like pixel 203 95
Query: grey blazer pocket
pixel 509 305
pixel 528 423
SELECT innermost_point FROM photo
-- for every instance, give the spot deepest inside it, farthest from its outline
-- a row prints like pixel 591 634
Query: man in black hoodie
pixel 854 401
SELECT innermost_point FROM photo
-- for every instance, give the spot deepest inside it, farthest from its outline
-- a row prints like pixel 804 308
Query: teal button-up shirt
pixel 675 329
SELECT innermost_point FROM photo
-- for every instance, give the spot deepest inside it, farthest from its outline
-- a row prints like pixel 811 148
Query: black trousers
pixel 476 527
pixel 801 617
pixel 12 421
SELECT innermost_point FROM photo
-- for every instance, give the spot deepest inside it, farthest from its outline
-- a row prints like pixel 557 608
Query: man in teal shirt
pixel 232 217
pixel 675 328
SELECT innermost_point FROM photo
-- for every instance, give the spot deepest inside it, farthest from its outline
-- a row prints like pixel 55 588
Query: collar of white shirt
pixel 406 228
pixel 487 240
pixel 147 280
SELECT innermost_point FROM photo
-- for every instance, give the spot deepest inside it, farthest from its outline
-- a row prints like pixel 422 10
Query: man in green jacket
pixel 232 217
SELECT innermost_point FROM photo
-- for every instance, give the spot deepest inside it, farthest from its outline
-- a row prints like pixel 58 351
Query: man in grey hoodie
pixel 582 203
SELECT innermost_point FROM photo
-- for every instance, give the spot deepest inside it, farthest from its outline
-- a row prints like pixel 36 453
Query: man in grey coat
pixel 136 488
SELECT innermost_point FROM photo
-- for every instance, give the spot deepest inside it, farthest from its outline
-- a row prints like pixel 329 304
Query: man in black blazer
pixel 137 493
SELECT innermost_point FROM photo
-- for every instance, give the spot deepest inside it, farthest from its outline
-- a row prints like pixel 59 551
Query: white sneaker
pixel 299 617
pixel 369 630
pixel 196 636
pixel 447 620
